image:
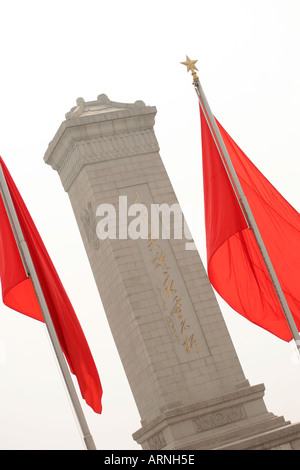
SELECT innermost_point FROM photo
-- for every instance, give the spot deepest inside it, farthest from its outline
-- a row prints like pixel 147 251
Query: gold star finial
pixel 190 65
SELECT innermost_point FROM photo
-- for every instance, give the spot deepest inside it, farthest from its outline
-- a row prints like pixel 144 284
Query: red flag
pixel 18 294
pixel 235 265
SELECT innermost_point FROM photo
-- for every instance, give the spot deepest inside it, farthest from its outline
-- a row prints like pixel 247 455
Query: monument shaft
pixel 179 359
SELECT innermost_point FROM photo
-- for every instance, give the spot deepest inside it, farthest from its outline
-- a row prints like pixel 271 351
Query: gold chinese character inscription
pixel 178 325
pixel 160 260
pixel 190 344
pixel 177 307
pixel 168 285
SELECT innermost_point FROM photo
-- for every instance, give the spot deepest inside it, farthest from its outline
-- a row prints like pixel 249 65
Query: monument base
pixel 236 421
pixel 284 438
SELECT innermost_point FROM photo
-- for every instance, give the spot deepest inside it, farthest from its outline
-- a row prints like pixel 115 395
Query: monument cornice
pixel 110 147
pixel 99 119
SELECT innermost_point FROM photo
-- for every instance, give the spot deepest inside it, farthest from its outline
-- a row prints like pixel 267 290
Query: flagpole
pixel 242 198
pixel 31 272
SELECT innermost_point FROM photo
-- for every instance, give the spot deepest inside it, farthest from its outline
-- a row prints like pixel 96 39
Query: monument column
pixel 181 365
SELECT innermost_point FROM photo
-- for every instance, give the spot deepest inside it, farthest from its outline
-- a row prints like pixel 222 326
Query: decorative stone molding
pixel 100 130
pixel 102 104
pixel 245 394
pixel 104 148
pixel 219 418
pixel 157 441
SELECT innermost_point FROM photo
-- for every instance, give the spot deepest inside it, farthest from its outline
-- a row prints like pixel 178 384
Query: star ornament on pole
pixel 191 67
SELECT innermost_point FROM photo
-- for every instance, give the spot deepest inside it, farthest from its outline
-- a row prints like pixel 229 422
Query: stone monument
pixel 179 359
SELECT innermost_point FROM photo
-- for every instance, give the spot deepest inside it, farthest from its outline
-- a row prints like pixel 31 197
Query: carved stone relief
pixel 89 223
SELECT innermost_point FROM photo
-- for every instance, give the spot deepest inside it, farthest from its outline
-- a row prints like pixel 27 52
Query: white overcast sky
pixel 53 52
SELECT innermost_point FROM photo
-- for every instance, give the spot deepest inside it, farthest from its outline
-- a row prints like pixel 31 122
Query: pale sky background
pixel 53 52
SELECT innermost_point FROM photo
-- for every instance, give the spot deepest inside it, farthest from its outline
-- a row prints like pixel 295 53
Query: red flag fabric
pixel 18 294
pixel 235 265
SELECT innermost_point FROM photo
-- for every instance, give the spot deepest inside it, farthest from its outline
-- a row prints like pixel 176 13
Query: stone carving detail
pixel 157 441
pixel 219 418
pixel 89 223
pixel 105 148
pixel 102 149
pixel 84 108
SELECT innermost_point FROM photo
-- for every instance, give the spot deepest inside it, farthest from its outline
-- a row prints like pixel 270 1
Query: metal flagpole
pixel 190 64
pixel 30 270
